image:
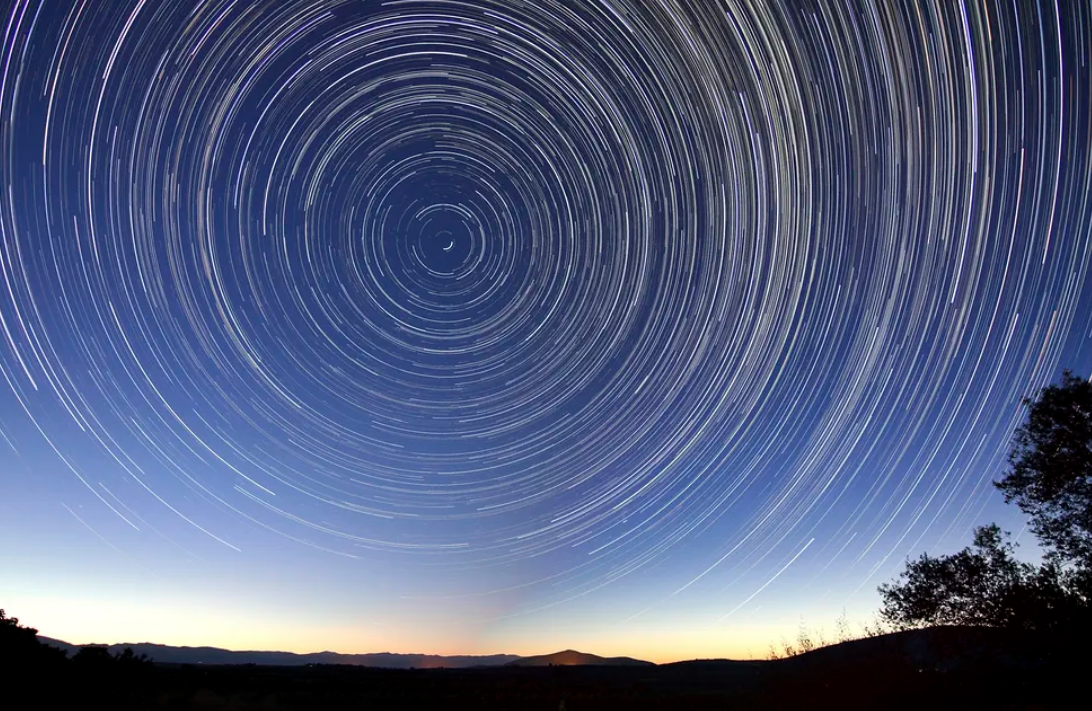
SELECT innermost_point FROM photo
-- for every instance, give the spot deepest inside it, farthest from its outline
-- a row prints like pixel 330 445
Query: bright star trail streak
pixel 590 319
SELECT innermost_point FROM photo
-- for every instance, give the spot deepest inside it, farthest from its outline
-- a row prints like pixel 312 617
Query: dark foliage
pixel 118 679
pixel 1051 471
pixel 976 586
pixel 981 585
pixel 20 649
pixel 1050 480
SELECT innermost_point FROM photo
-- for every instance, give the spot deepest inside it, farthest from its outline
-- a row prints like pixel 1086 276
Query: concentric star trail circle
pixel 484 280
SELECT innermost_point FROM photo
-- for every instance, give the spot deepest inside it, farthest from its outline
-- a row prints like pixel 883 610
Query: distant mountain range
pixel 165 654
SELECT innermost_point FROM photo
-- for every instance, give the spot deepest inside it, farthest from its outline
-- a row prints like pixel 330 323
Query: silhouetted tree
pixel 20 648
pixel 1051 474
pixel 1050 480
pixel 127 657
pixel 981 585
pixel 122 680
pixel 93 656
pixel 97 658
pixel 15 640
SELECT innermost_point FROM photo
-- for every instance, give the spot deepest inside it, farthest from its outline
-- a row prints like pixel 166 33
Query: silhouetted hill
pixel 944 648
pixel 571 658
pixel 166 654
pixel 943 667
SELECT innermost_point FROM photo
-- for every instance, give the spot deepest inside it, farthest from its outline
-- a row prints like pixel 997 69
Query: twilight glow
pixel 640 327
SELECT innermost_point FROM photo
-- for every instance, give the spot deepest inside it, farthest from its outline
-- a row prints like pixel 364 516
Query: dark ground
pixel 949 668
pixel 577 688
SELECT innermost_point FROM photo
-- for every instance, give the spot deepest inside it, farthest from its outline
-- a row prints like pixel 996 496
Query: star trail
pixel 528 312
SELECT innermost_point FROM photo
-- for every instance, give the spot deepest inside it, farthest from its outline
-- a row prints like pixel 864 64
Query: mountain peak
pixel 571 657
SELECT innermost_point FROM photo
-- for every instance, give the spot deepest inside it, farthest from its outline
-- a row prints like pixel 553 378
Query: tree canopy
pixel 1050 479
pixel 1051 470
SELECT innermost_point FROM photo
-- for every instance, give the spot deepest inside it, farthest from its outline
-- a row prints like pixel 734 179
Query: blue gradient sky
pixel 643 328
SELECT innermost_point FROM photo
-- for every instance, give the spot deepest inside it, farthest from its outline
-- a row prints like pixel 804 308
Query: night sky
pixel 640 327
